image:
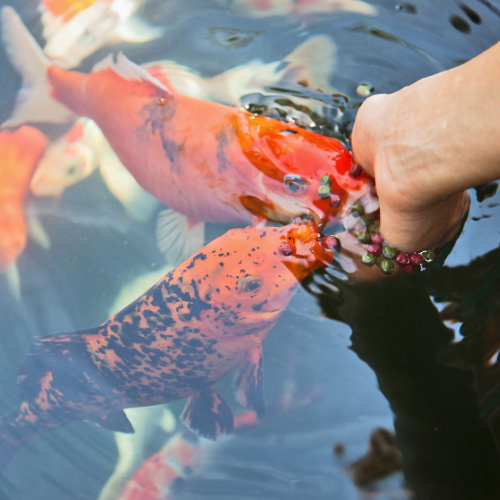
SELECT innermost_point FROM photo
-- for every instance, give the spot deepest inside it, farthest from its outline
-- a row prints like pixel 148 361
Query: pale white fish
pixel 312 62
pixel 76 155
pixel 134 448
pixel 68 160
pixel 73 33
pixel 297 8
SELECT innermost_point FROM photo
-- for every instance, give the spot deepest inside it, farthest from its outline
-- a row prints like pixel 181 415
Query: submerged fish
pixel 73 30
pixel 201 321
pixel 298 8
pixel 76 155
pixel 208 161
pixel 20 151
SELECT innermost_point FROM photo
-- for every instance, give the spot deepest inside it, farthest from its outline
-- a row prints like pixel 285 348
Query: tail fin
pixel 15 430
pixel 33 103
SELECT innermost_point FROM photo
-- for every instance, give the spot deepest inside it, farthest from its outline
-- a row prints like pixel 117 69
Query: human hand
pixel 394 145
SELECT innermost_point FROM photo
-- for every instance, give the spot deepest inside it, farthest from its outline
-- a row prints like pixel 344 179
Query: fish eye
pixel 249 283
pixel 294 184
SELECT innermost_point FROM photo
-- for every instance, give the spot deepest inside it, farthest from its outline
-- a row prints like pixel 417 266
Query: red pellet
pixel 329 242
pixel 286 249
pixel 335 200
pixel 355 170
pixel 376 250
pixel 416 259
pixel 403 259
pixel 377 238
pixel 373 191
pixel 407 269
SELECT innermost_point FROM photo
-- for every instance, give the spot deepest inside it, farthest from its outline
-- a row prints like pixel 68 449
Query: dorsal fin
pixel 127 70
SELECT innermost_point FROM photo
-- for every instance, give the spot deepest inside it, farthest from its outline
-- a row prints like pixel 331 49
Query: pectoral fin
pixel 116 421
pixel 208 415
pixel 178 236
pixel 249 382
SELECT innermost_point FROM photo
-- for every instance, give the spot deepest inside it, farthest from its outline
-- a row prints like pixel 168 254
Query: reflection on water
pixel 343 360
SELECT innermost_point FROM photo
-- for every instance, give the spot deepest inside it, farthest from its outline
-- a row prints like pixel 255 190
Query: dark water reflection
pixel 334 347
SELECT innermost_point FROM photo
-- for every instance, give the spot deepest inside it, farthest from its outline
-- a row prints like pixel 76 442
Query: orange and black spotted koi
pixel 197 324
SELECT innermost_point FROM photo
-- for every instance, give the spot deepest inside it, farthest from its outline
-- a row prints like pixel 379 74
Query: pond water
pixel 344 359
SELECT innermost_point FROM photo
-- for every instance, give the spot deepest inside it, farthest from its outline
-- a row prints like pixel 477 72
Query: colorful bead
pixel 403 259
pixel 389 252
pixel 364 237
pixel 428 255
pixel 386 266
pixel 416 259
pixel 368 259
pixel 375 249
pixel 377 238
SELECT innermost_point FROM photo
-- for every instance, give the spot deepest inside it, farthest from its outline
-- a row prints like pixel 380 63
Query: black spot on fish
pixel 199 256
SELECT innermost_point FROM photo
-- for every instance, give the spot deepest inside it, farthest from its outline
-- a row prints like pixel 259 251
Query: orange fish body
pixel 201 321
pixel 206 160
pixel 20 151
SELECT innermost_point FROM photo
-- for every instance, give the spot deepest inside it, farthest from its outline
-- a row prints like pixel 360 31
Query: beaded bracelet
pixel 381 253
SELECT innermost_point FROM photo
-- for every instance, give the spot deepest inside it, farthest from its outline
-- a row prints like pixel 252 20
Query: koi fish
pixel 83 149
pixel 205 160
pixel 298 8
pixel 201 321
pixel 73 30
pixel 311 64
pixel 76 155
pixel 20 151
pixel 178 458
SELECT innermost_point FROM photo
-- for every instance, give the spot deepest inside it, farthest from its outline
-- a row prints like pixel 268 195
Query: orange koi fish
pixel 178 458
pixel 74 29
pixel 200 322
pixel 20 151
pixel 208 161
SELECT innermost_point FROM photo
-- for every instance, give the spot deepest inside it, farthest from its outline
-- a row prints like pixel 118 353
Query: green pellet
pixel 368 259
pixel 367 220
pixel 326 180
pixel 374 228
pixel 386 266
pixel 324 192
pixel 389 252
pixel 428 255
pixel 357 210
pixel 364 237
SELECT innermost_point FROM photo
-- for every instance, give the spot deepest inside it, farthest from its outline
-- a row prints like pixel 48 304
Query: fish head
pixel 65 162
pixel 256 271
pixel 300 172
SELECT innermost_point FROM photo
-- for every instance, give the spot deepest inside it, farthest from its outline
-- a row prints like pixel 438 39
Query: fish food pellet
pixel 386 266
pixel 368 259
pixel 326 180
pixel 428 255
pixel 375 249
pixel 416 259
pixel 364 237
pixel 335 200
pixel 403 259
pixel 377 238
pixel 389 252
pixel 330 242
pixel 324 191
pixel 286 249
pixel 357 209
pixel 355 170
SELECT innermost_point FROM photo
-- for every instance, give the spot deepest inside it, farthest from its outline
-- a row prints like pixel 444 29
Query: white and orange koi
pixel 74 29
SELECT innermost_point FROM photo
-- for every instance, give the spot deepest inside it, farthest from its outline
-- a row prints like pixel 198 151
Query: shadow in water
pixel 448 451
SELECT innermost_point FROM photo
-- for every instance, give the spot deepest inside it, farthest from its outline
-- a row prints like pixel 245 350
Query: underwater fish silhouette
pixel 200 322
pixel 205 160
pixel 20 151
pixel 180 457
pixel 73 30
pixel 298 8
pixel 75 155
